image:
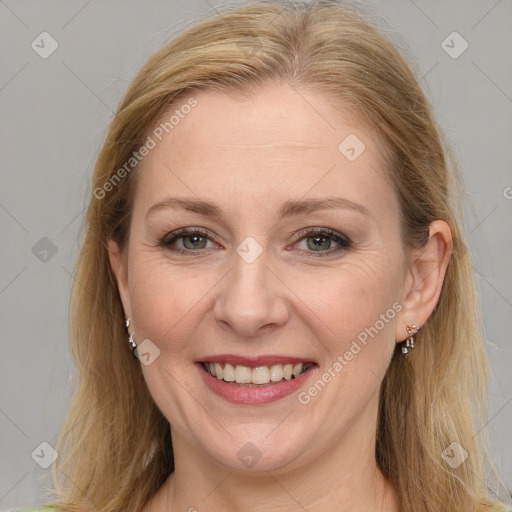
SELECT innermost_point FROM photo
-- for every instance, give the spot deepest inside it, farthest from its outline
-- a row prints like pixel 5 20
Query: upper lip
pixel 254 361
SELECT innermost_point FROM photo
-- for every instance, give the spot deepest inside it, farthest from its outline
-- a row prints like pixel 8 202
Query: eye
pixel 187 240
pixel 320 240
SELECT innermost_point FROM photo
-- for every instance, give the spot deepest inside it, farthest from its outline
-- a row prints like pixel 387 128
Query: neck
pixel 345 478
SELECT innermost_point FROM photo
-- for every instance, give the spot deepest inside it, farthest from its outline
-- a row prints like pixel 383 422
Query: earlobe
pixel 425 278
pixel 119 270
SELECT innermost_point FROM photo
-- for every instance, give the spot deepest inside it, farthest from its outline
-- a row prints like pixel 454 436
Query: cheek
pixel 166 301
pixel 356 302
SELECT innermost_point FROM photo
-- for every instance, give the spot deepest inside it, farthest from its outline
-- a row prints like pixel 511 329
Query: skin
pixel 250 155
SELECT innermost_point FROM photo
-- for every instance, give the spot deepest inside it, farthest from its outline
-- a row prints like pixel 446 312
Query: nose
pixel 252 299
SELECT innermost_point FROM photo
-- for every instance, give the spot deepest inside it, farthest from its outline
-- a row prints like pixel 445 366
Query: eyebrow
pixel 288 209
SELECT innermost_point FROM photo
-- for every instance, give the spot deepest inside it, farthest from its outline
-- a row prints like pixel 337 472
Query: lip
pixel 252 362
pixel 244 395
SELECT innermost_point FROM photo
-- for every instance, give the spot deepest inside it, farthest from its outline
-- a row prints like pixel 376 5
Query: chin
pixel 255 449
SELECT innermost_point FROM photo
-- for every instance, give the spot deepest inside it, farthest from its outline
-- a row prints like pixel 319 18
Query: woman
pixel 273 307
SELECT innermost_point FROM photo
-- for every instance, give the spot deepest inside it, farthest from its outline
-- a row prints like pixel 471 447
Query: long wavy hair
pixel 115 444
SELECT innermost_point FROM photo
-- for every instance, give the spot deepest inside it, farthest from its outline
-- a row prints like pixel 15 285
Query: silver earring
pixel 131 341
pixel 408 344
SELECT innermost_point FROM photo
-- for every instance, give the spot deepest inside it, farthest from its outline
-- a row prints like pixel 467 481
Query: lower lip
pixel 237 394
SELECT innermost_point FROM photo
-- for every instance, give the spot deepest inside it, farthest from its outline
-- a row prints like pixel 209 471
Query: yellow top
pixel 498 507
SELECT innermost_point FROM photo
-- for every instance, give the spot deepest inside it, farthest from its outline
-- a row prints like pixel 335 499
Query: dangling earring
pixel 131 341
pixel 408 344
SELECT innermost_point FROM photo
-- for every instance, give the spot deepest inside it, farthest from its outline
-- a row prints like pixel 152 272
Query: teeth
pixel 276 372
pixel 260 375
pixel 257 375
pixel 229 372
pixel 243 374
pixel 288 371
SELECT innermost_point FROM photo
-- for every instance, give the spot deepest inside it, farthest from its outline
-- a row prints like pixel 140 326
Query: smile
pixel 254 381
pixel 258 375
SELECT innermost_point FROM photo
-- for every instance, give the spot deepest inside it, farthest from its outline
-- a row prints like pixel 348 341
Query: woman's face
pixel 264 234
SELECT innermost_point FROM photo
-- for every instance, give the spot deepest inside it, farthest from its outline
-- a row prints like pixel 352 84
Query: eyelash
pixel 340 239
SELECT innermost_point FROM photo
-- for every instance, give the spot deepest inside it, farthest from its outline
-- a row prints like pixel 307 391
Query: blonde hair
pixel 115 445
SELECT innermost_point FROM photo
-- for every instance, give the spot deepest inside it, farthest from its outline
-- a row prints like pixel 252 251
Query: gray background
pixel 55 112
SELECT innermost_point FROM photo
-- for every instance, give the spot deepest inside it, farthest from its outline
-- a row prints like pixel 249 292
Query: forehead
pixel 278 142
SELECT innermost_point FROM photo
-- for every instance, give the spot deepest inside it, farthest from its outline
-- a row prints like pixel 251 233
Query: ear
pixel 425 278
pixel 119 268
